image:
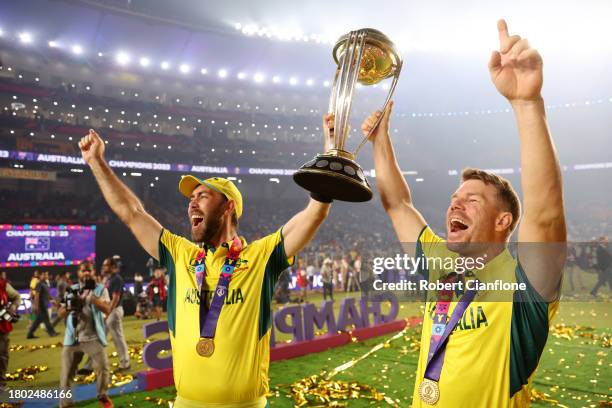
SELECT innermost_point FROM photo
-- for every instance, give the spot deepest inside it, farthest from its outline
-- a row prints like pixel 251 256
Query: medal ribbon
pixel 210 316
pixel 441 329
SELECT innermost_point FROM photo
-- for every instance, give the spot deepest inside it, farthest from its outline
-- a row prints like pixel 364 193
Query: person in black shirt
pixel 114 321
pixel 603 265
pixel 39 307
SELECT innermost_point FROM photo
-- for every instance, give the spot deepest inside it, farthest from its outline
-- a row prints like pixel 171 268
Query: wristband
pixel 322 198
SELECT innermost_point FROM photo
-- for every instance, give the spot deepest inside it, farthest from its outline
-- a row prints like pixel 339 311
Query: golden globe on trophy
pixel 366 57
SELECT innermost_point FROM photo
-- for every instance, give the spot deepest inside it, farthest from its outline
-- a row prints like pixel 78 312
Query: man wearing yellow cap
pixel 221 288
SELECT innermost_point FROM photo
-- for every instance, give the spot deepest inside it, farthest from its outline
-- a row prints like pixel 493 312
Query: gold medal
pixel 429 391
pixel 205 347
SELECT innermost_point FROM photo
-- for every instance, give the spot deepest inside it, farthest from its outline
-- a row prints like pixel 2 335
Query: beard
pixel 212 226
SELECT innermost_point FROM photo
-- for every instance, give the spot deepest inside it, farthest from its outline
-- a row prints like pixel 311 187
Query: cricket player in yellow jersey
pixel 477 351
pixel 221 287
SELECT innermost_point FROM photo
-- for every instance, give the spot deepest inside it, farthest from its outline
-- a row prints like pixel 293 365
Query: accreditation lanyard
pixel 210 316
pixel 441 328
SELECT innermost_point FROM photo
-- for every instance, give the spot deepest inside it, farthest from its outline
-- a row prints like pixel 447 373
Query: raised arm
pixel 392 186
pixel 303 226
pixel 119 197
pixel 516 71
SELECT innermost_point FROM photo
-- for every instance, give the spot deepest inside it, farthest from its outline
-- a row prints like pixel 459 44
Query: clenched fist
pixel 92 147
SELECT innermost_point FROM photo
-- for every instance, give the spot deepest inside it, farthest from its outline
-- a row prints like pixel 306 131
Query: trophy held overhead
pixel 366 56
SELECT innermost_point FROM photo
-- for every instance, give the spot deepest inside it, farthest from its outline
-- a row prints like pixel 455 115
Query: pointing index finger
pixel 502 29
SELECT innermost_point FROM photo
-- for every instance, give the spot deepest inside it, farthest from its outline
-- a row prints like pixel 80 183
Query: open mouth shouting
pixel 196 220
pixel 457 226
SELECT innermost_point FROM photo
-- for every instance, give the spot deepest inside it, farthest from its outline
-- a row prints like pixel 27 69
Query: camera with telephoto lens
pixel 5 314
pixel 72 299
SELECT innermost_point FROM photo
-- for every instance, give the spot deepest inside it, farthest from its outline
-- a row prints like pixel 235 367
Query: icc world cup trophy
pixel 364 56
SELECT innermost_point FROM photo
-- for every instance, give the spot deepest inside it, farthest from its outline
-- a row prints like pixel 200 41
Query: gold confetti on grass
pixel 536 395
pixel 158 401
pixel 25 374
pixel 321 390
pixel 19 347
pixel 117 379
pixel 571 332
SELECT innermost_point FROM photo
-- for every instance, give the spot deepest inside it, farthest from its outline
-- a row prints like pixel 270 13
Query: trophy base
pixel 334 176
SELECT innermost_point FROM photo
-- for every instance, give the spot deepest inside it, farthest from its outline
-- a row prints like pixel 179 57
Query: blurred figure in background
pixel 354 274
pixel 138 284
pixel 327 276
pixel 33 283
pixel 114 320
pixel 156 291
pixel 310 271
pixel 281 292
pixel 603 265
pixel 344 270
pixel 336 268
pixel 40 306
pixel 151 265
pixel 143 306
pixel 302 281
pixel 572 268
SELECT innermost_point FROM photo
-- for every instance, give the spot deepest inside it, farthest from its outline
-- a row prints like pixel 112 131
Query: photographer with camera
pixel 84 303
pixel 9 301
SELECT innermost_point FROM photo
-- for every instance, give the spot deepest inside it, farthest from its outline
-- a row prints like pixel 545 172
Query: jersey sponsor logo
pixel 474 317
pixel 232 297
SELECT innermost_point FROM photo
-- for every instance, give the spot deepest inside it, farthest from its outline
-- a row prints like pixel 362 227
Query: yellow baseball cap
pixel 222 185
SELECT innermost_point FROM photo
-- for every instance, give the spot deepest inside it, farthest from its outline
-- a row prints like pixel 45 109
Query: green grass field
pixel 575 369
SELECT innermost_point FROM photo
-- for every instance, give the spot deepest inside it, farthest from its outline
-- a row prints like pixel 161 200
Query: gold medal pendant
pixel 205 347
pixel 429 391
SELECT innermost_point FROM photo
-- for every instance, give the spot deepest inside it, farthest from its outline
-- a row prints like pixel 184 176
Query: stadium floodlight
pixel 165 65
pixel 144 62
pixel 258 77
pixel 309 82
pixel 77 49
pixel 53 44
pixel 276 79
pixel 122 58
pixel 241 75
pixel 222 73
pixel 203 71
pixel 25 37
pixel 293 81
pixel 184 68
pixel 1 32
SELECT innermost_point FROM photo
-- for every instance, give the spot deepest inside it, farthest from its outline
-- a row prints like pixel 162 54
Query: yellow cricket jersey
pixel 495 347
pixel 237 372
